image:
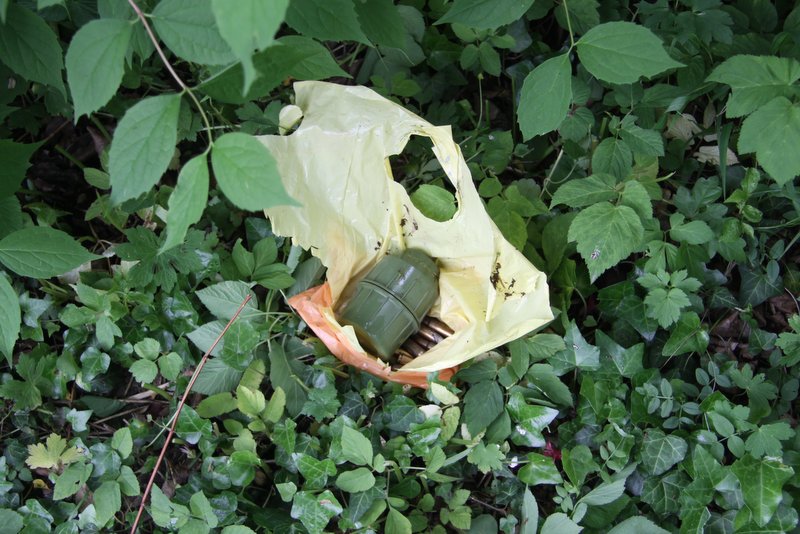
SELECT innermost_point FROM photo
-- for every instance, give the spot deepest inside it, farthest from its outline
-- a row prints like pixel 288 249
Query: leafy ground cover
pixel 642 154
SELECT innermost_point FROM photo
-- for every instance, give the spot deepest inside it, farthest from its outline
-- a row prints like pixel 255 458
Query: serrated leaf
pixel 612 156
pixel 586 191
pixel 486 457
pixel 771 132
pixel 283 374
pixel 52 453
pixel 766 439
pixel 692 232
pixel 187 201
pixel 660 451
pixel 762 482
pixel 606 235
pixel 485 14
pixel 665 305
pixel 10 214
pixel 326 20
pixel 30 48
pixel 143 145
pixel 71 480
pixel 755 80
pixel 144 371
pixel 483 402
pixel 16 160
pixel 623 52
pixel 545 98
pixel 42 252
pixel 637 524
pixel 224 298
pixel 247 173
pixel 122 442
pixel 248 28
pixel 10 318
pixel 382 22
pixel 189 29
pixel 642 141
pixel 95 63
pixel 634 195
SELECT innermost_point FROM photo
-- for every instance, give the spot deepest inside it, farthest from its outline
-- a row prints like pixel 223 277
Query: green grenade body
pixel 390 302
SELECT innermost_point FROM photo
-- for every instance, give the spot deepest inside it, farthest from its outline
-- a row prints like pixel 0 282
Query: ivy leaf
pixel 586 191
pixel 187 201
pixel 247 173
pixel 30 48
pixel 10 318
pixel 486 457
pixel 771 132
pixel 189 29
pixel 761 482
pixel 249 27
pixel 143 145
pixel 545 98
pixel 530 420
pixel 95 63
pixel 623 52
pixel 42 252
pixel 322 403
pixel 485 14
pixel 755 80
pixel 540 469
pixel 605 234
pixel 316 472
pixel 660 451
pixel 766 439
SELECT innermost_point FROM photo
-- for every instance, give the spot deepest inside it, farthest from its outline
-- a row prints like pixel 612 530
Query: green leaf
pixel 545 98
pixel 11 521
pixel 660 451
pixel 170 365
pixel 530 514
pixel 314 511
pixel 485 14
pixel 687 336
pixel 355 447
pixel 191 426
pixel 486 457
pixel 122 442
pixel 144 371
pixel 559 523
pixel 107 502
pixel 665 305
pixel 434 202
pixel 772 132
pixel 10 215
pixel 636 525
pixel 360 479
pixel 382 22
pixel 642 141
pixel 42 252
pixel 250 401
pixel 530 421
pixel 766 439
pixel 249 27
pixel 612 156
pixel 540 469
pixel 216 405
pixel 510 223
pixel 543 377
pixel 397 523
pixel 224 298
pixel 761 482
pixel 247 173
pixel 283 374
pixel 30 48
pixel 189 29
pixel 606 235
pixel 586 191
pixel 71 480
pixel 635 196
pixel 483 402
pixel 605 493
pixel 187 201
pixel 755 80
pixel 693 232
pixel 201 508
pixel 10 318
pixel 623 52
pixel 95 63
pixel 16 160
pixel 326 20
pixel 143 145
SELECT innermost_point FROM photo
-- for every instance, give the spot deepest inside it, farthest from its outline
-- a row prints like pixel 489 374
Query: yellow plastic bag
pixel 353 213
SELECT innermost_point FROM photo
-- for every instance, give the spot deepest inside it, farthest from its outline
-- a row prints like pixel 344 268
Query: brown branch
pixel 178 413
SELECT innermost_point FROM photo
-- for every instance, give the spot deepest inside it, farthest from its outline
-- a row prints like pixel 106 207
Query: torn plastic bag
pixel 336 164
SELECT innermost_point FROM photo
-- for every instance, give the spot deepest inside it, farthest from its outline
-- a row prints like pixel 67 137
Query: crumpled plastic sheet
pixel 336 164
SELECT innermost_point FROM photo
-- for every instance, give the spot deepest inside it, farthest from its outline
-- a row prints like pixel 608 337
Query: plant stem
pixel 569 26
pixel 171 70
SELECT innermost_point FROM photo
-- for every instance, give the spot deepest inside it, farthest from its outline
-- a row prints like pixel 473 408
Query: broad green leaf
pixel 486 457
pixel 247 173
pixel 634 195
pixel 204 336
pixel 10 318
pixel 529 420
pixel 187 201
pixel 201 507
pixel 292 56
pixel 11 520
pixel 545 98
pixel 693 232
pixel 382 22
pixel 360 479
pixel 30 48
pixel 144 371
pixel 510 223
pixel 224 298
pixel 315 510
pixel 434 202
pixel 42 252
pixel 623 52
pixel 612 156
pixel 356 448
pixel 189 29
pixel 250 401
pixel 483 402
pixel 762 482
pixel 755 80
pixel 122 442
pixel 559 523
pixel 10 215
pixel 143 145
pixel 540 469
pixel 660 451
pixel 95 63
pixel 687 336
pixel 326 20
pixel 191 426
pixel 283 374
pixel 485 14
pixel 107 502
pixel 605 493
pixel 397 523
pixel 16 160
pixel 71 480
pixel 642 141
pixel 216 405
pixel 606 235
pixel 543 377
pixel 237 529
pixel 530 514
pixel 586 191
pixel 772 132
pixel 662 494
pixel 249 27
pixel 637 525
pixel 665 305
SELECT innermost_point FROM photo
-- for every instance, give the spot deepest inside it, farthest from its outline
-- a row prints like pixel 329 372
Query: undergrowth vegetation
pixel 642 154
